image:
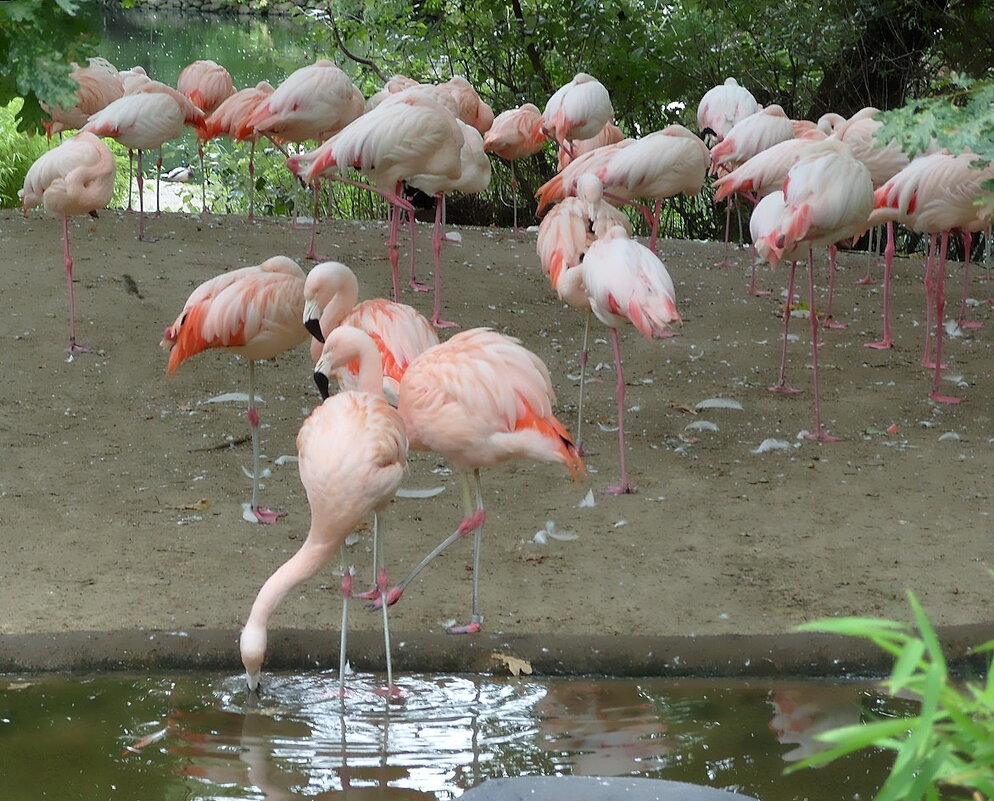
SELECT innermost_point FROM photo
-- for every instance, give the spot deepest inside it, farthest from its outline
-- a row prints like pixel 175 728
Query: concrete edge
pixel 733 655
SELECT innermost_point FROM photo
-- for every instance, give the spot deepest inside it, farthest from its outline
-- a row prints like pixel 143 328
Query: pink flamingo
pixel 254 312
pixel 352 457
pixel 99 85
pixel 207 85
pixel 563 184
pixel 143 121
pixel 564 236
pixel 474 177
pixel 231 119
pixel 400 332
pixel 577 110
pixel 763 174
pixel 610 134
pixel 828 196
pixel 314 102
pixel 936 194
pixel 408 133
pixel 749 136
pixel 478 399
pixel 721 107
pixel 77 177
pixel 625 282
pixel 764 227
pixel 515 134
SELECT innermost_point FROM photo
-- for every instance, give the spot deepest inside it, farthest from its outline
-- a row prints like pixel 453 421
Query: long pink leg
pixel 311 248
pixel 141 201
pixel 131 169
pixel 782 386
pixel 963 322
pixel 929 282
pixel 74 347
pixel 623 487
pixel 829 322
pixel 867 280
pixel 940 305
pixel 725 262
pixel 654 225
pixel 414 283
pixel 158 172
pixel 759 293
pixel 262 514
pixel 203 177
pixel 819 434
pixel 251 215
pixel 436 250
pixel 887 341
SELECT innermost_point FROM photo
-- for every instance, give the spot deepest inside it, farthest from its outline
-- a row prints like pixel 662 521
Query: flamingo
pixel 254 312
pixel 77 177
pixel 745 139
pixel 564 236
pixel 515 134
pixel 474 177
pixel 763 226
pixel 577 110
pixel 936 194
pixel 99 85
pixel 610 134
pixel 142 121
pixel 625 282
pixel 352 454
pixel 207 84
pixel 408 133
pixel 478 399
pixel 762 175
pixel 828 196
pixel 721 107
pixel 314 102
pixel 401 333
pixel 231 119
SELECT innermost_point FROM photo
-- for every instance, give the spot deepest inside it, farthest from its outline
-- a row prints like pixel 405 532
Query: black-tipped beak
pixel 322 383
pixel 314 326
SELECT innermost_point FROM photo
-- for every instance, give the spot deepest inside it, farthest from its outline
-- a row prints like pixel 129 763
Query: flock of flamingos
pixel 480 398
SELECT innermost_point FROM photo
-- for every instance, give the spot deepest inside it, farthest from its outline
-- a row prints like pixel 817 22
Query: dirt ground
pixel 121 491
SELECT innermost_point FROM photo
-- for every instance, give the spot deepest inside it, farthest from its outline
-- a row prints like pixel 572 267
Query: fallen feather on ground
pixel 702 425
pixel 719 403
pixel 285 459
pixel 430 492
pixel 588 501
pixel 551 530
pixel 233 397
pixel 949 435
pixel 770 444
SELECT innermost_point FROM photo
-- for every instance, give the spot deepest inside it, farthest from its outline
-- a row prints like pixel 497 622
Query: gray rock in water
pixel 595 788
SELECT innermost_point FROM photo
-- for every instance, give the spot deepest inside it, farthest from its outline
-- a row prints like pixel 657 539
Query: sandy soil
pixel 121 492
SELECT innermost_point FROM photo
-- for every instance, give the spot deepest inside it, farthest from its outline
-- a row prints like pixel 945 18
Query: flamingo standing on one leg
pixel 77 177
pixel 408 133
pixel 625 282
pixel 564 236
pixel 207 85
pixel 253 311
pixel 828 196
pixel 577 110
pixel 143 121
pixel 353 454
pixel 314 102
pixel 231 119
pixel 478 399
pixel 99 85
pixel 515 134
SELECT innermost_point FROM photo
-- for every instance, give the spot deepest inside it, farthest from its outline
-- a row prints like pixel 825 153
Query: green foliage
pixel 39 40
pixel 949 743
pixel 17 153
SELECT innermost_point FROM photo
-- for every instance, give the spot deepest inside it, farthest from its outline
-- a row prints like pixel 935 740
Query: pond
pixel 199 736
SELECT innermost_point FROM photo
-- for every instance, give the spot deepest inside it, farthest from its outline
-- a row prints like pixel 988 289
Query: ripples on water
pixel 201 737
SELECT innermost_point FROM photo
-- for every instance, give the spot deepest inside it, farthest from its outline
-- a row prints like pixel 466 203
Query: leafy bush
pixel 949 743
pixel 17 153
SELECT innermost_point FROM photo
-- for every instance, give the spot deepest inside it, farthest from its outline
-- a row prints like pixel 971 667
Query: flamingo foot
pixel 624 488
pixel 313 255
pixel 866 280
pixel 265 515
pixel 929 364
pixel 439 323
pixel 760 293
pixel 969 324
pixel 784 389
pixel 368 595
pixel 393 596
pixel 392 694
pixel 938 397
pixel 835 325
pixel 418 287
pixel 883 344
pixel 149 239
pixel 76 348
pixel 822 436
pixel 725 263
pixel 469 628
pixel 583 452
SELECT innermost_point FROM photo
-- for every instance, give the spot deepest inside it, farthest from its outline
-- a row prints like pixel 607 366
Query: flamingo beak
pixel 314 326
pixel 322 383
